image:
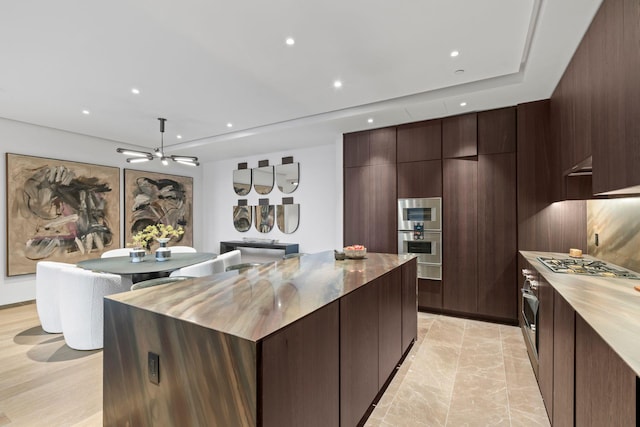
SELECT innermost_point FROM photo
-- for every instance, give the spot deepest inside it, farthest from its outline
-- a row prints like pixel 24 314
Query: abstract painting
pixel 152 198
pixel 59 210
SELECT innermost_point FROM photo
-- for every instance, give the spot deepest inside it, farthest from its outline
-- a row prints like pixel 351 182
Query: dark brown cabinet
pixel 430 294
pixel 370 190
pixel 420 179
pixel 564 339
pixel 389 324
pixel 497 240
pixel 544 328
pixel 497 131
pixel 605 387
pixel 420 141
pixel 460 136
pixel 460 235
pixel 409 304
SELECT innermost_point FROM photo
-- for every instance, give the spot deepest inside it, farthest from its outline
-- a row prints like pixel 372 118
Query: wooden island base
pixel 305 341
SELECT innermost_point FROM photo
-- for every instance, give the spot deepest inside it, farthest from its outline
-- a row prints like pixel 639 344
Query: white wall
pixel 22 138
pixel 319 195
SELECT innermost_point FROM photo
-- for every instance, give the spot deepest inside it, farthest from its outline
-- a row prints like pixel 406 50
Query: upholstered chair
pixel 196 270
pixel 182 249
pixel 116 252
pixel 82 295
pixel 226 259
pixel 48 294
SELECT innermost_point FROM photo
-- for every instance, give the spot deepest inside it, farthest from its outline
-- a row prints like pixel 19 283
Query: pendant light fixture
pixel 143 156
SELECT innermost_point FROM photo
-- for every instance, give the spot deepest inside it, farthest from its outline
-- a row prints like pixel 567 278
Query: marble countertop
pixel 260 301
pixel 611 306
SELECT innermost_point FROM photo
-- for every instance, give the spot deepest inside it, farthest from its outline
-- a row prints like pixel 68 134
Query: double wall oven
pixel 420 234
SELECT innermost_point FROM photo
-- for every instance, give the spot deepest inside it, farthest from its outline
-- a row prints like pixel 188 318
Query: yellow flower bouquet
pixel 144 238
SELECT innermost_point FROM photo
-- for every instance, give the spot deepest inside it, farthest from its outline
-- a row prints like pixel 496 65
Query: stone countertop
pixel 611 306
pixel 260 301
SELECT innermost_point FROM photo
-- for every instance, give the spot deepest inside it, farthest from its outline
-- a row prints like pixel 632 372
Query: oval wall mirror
pixel 242 181
pixel 264 218
pixel 287 177
pixel 288 217
pixel 242 217
pixel 263 179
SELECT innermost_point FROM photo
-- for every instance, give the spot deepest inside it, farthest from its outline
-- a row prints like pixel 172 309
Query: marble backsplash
pixel 617 223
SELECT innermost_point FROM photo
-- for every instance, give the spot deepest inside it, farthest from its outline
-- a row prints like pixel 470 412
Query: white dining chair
pixel 196 270
pixel 116 252
pixel 182 249
pixel 48 294
pixel 82 295
pixel 226 259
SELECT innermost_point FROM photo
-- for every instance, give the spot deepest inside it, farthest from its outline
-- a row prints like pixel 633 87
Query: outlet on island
pixel 154 367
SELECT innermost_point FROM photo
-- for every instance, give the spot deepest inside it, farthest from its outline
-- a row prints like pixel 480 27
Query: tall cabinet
pixel 370 189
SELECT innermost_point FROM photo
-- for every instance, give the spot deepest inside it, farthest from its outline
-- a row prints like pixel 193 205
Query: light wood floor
pixel 459 372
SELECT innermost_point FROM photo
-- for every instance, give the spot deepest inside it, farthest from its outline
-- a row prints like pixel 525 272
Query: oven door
pixel 428 250
pixel 530 305
pixel 423 212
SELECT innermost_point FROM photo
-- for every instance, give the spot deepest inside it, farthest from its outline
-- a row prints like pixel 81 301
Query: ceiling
pixel 203 64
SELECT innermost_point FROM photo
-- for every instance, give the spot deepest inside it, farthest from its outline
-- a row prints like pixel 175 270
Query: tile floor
pixel 462 373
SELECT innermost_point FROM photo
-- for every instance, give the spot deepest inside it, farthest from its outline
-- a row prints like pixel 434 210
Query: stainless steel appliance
pixel 419 233
pixel 586 267
pixel 530 314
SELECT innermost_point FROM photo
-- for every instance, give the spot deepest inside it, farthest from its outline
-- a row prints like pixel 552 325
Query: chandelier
pixel 143 156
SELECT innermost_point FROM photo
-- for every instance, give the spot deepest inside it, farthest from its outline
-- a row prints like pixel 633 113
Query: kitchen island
pixel 304 341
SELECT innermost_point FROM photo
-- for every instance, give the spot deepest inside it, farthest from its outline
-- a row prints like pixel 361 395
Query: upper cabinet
pixel 372 147
pixel 497 131
pixel 460 136
pixel 420 141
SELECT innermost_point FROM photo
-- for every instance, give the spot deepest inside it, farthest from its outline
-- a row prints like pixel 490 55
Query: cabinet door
pixel 356 149
pixel 409 304
pixel 564 341
pixel 605 386
pixel 356 206
pixel 382 146
pixel 460 136
pixel 382 201
pixel 497 131
pixel 430 294
pixel 545 343
pixel 300 372
pixel 358 352
pixel 497 241
pixel 420 141
pixel 460 235
pixel 420 179
pixel 389 323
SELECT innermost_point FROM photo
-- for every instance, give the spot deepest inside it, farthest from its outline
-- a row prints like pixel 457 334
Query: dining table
pixel 146 269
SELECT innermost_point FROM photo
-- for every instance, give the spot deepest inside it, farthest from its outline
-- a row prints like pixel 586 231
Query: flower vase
pixel 137 255
pixel 163 253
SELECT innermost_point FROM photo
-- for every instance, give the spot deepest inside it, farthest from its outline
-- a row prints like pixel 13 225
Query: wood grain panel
pixel 460 234
pixel 382 211
pixel 497 131
pixel 382 146
pixel 409 304
pixel 564 341
pixel 460 136
pixel 420 179
pixel 430 294
pixel 389 323
pixel 356 206
pixel 356 149
pixel 213 383
pixel 606 388
pixel 419 141
pixel 497 240
pixel 301 372
pixel 358 353
pixel 544 329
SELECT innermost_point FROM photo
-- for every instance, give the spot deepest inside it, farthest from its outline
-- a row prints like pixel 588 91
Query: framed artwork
pixel 59 210
pixel 152 198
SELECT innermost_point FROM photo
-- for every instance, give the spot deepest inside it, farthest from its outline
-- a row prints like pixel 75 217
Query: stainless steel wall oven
pixel 420 234
pixel 530 314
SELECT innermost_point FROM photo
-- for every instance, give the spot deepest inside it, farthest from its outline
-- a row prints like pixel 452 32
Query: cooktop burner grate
pixel 586 267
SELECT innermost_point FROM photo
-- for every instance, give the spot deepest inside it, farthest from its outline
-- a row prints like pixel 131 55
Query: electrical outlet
pixel 597 239
pixel 154 367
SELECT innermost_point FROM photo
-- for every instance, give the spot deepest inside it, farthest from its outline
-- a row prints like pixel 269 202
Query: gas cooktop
pixel 586 267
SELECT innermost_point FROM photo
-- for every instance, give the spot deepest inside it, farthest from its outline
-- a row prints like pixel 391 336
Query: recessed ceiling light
pixel 337 84
pixel 229 125
pixel 454 53
pixel 290 41
pixel 463 104
pixel 86 112
pixel 370 120
pixel 179 136
pixel 135 91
